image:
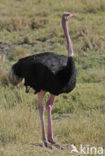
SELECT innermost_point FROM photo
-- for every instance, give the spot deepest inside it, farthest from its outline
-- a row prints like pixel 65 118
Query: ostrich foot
pixel 46 144
pixel 55 144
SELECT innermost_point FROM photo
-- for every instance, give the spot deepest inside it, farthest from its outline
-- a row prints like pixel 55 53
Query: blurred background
pixel 29 27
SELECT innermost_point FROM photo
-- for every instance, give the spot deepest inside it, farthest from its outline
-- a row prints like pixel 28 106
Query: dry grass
pixel 19 52
pixel 29 27
pixel 4 78
pixel 20 132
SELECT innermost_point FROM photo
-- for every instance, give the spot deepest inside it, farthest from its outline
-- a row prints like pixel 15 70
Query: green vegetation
pixel 29 27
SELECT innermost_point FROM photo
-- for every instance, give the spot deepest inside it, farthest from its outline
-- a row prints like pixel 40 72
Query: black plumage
pixel 47 71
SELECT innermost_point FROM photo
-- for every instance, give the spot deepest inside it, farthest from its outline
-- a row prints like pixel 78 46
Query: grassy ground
pixel 30 27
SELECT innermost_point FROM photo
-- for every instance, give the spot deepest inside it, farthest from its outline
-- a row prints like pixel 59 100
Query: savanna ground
pixel 30 27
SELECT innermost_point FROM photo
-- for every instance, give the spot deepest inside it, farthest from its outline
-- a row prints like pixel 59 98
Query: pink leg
pixel 41 95
pixel 49 105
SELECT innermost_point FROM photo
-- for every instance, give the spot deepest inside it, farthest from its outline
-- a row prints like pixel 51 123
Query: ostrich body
pixel 47 72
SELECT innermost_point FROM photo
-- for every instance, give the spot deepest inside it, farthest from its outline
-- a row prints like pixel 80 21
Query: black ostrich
pixel 47 72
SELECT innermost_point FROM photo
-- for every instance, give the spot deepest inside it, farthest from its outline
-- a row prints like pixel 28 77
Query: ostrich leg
pixel 49 105
pixel 41 95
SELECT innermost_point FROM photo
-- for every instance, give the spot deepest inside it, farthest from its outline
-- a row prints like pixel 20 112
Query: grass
pixel 31 27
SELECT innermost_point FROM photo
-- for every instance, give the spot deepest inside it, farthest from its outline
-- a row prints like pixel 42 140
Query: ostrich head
pixel 67 15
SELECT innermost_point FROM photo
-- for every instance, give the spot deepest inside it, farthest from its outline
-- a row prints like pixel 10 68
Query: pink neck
pixel 68 39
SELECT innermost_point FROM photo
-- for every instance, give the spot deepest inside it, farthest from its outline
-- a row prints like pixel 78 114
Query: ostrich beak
pixel 72 15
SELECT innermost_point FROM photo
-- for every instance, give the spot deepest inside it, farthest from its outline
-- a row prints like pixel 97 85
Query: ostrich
pixel 47 72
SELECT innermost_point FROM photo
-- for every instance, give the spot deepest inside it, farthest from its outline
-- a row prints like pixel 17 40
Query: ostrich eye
pixel 66 17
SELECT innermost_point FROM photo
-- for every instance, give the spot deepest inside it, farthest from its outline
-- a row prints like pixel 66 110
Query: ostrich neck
pixel 68 39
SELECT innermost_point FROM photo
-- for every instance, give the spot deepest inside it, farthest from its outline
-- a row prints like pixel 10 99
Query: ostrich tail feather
pixel 13 78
